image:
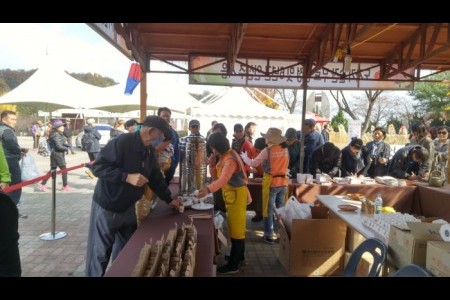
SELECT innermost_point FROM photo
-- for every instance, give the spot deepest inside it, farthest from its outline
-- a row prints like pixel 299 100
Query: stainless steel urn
pixel 192 164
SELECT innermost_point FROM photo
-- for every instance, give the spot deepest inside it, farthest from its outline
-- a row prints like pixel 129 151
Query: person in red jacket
pixel 240 144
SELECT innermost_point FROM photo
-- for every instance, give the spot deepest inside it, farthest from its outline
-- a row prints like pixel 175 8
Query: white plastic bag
pixel 28 168
pixel 295 210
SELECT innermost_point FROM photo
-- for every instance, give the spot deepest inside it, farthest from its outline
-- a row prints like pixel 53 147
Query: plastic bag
pixel 295 210
pixel 28 167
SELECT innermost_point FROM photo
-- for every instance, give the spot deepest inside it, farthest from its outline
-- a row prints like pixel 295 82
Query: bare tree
pixel 351 111
pixel 290 99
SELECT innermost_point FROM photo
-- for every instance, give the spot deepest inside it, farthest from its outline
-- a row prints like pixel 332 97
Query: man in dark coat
pixel 124 167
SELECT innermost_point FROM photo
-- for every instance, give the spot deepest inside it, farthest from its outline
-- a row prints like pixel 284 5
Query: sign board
pixel 354 129
pixel 288 74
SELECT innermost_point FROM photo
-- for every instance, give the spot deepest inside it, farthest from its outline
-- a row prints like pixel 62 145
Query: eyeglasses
pixel 194 126
pixel 442 132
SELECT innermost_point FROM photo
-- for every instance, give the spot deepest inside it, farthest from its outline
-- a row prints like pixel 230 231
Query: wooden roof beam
pixel 317 53
pixel 236 38
pixel 332 36
pixel 404 61
pixel 130 34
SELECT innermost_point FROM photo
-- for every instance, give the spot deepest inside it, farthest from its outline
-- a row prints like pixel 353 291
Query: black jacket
pixel 58 142
pixel 93 136
pixel 351 163
pixel 124 155
pixel 328 163
pixel 9 140
pixel 402 165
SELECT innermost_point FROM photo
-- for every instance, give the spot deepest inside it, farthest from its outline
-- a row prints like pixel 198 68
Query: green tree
pixel 93 79
pixel 434 96
pixel 339 119
pixel 4 88
pixel 343 104
pixel 13 78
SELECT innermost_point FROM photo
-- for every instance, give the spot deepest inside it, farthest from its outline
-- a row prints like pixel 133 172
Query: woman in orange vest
pixel 228 172
pixel 275 162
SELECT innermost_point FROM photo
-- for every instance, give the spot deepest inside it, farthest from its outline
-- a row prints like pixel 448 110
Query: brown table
pixel 403 199
pixel 160 221
pixel 432 201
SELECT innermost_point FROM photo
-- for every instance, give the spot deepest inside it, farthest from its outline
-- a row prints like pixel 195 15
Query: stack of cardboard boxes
pixel 421 245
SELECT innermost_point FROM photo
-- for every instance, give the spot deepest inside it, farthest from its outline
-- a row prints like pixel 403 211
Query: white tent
pixel 237 106
pixel 50 88
pixel 113 99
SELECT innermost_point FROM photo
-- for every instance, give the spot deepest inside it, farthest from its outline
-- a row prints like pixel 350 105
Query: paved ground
pixel 65 257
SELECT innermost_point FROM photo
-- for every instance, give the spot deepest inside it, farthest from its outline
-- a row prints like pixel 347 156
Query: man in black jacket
pixel 13 152
pixel 124 166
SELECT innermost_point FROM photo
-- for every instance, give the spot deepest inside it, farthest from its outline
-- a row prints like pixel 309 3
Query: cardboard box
pixel 438 258
pixel 410 246
pixel 353 239
pixel 314 247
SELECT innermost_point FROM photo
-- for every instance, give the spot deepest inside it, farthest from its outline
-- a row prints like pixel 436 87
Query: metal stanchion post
pixel 50 236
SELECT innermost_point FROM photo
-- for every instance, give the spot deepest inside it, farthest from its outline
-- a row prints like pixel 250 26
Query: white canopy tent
pixel 50 88
pixel 237 106
pixel 113 99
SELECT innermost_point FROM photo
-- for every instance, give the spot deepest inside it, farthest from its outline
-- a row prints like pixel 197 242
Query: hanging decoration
pixel 339 55
pixel 134 77
pixel 348 61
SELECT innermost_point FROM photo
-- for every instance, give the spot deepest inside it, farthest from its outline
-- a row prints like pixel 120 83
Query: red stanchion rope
pixel 43 177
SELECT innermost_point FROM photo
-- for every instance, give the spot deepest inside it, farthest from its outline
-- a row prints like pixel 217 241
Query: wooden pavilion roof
pixel 396 47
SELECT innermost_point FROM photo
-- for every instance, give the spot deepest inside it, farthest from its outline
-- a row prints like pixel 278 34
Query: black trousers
pixel 9 238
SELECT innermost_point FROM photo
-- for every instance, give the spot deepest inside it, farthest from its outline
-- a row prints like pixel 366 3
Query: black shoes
pixel 241 261
pixel 257 218
pixel 227 269
pixel 268 240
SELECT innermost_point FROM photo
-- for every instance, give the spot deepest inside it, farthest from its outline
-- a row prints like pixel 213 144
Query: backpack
pixel 86 142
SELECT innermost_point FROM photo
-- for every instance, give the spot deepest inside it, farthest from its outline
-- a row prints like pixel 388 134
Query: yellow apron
pixel 235 199
pixel 267 181
pixel 236 204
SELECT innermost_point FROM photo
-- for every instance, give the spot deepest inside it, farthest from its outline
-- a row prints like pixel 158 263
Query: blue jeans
pixel 276 198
